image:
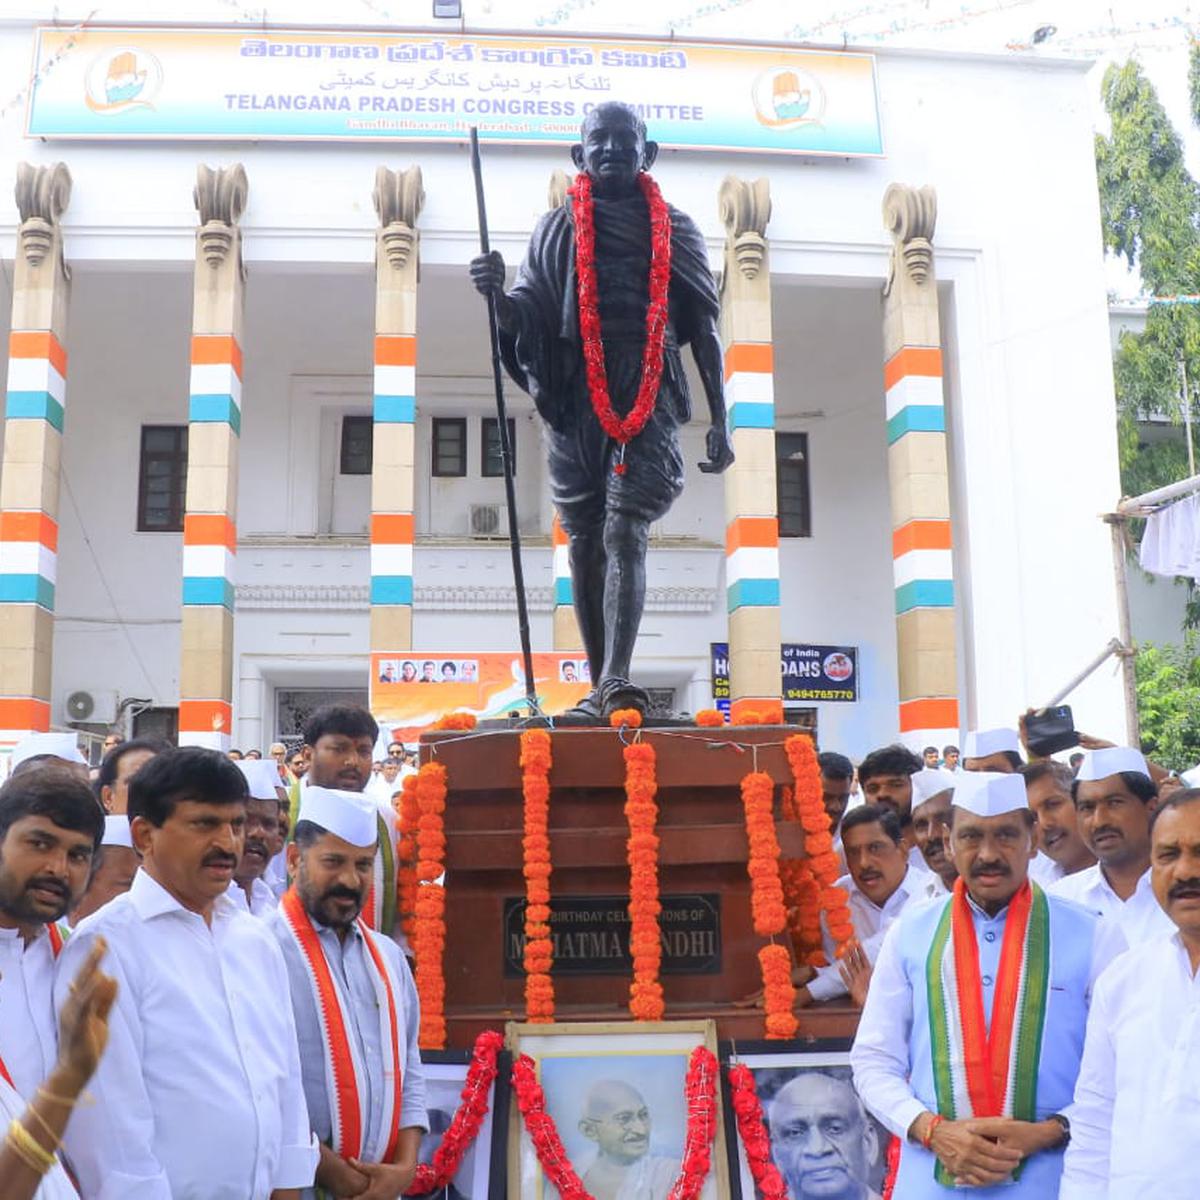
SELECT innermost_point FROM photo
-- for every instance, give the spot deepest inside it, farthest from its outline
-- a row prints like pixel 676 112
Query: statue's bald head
pixel 609 1095
pixel 612 112
pixel 615 1117
pixel 613 149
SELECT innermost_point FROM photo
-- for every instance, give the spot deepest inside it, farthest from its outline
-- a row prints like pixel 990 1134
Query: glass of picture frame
pixel 481 1175
pixel 823 1140
pixel 616 1093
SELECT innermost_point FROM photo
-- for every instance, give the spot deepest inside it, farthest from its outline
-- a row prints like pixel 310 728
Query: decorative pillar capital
pixel 42 195
pixel 745 208
pixel 910 214
pixel 220 197
pixel 399 197
pixel 560 181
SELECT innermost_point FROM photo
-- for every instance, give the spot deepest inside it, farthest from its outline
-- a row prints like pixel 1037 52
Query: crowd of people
pixel 203 995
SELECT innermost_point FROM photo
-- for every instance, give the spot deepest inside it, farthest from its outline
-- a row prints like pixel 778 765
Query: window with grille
pixel 162 478
pixel 357 449
pixel 792 486
pixel 449 446
pixel 490 462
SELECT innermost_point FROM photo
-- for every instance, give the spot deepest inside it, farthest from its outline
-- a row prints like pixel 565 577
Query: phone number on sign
pixel 819 694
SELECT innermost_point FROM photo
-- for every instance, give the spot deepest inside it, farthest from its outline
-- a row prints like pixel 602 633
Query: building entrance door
pixel 293 706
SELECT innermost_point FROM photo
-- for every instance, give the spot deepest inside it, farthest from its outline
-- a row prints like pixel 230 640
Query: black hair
pixel 36 762
pixel 346 719
pixel 889 760
pixel 1059 772
pixel 834 765
pixel 305 833
pixel 948 750
pixel 189 773
pixel 1144 788
pixel 108 768
pixel 54 792
pixel 873 814
pixel 1179 798
pixel 928 748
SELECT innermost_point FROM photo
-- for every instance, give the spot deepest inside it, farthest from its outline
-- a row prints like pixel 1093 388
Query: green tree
pixel 1168 695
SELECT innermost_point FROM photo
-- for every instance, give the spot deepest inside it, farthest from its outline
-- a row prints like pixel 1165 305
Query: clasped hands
pixel 983 1151
pixel 355 1180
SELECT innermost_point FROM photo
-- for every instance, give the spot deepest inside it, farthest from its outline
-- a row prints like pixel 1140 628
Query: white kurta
pixel 1044 870
pixel 262 903
pixel 55 1183
pixel 1135 1123
pixel 1140 917
pixel 198 1095
pixel 871 922
pixel 28 1029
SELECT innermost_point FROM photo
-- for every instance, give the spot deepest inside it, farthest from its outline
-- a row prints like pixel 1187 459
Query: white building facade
pixel 1027 392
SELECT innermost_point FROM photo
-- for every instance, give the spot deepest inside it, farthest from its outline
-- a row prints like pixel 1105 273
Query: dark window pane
pixel 449 446
pixel 792 485
pixel 162 478
pixel 358 434
pixel 490 464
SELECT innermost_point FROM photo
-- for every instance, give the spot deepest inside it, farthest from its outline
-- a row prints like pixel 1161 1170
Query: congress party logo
pixel 785 97
pixel 122 79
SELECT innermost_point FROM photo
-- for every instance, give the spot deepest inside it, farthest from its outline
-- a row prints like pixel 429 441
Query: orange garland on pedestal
pixel 539 952
pixel 766 903
pixel 710 717
pixel 430 928
pixel 818 839
pixel 459 721
pixel 406 867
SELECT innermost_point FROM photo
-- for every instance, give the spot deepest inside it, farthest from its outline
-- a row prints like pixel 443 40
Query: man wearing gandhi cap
pixel 354 1001
pixel 992 750
pixel 1115 798
pixel 964 1050
pixel 113 867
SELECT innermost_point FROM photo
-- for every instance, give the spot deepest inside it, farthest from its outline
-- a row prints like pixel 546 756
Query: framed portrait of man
pixel 823 1141
pixel 480 1175
pixel 617 1095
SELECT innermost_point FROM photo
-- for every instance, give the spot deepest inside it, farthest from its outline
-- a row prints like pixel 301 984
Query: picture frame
pixel 481 1176
pixel 858 1149
pixel 616 1092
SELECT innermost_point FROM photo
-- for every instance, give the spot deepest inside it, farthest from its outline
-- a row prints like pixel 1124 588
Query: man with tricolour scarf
pixel 971 1039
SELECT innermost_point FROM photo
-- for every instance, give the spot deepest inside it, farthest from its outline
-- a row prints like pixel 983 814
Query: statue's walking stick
pixel 514 534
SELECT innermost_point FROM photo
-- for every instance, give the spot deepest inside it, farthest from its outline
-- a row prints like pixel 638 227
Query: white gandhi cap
pixel 983 742
pixel 116 831
pixel 990 793
pixel 1112 760
pixel 349 815
pixel 59 745
pixel 262 777
pixel 929 782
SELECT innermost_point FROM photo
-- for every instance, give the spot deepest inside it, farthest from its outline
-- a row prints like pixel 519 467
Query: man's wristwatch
pixel 1066 1129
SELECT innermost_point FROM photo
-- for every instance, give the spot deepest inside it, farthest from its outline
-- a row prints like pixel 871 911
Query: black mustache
pixel 258 845
pixel 1106 829
pixel 990 868
pixel 1185 887
pixel 219 859
pixel 49 885
pixel 341 893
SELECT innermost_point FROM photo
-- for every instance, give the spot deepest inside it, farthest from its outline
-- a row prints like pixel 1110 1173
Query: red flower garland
pixel 539 951
pixel 464 1128
pixel 645 938
pixel 430 929
pixel 752 1129
pixel 406 854
pixel 622 429
pixel 700 1094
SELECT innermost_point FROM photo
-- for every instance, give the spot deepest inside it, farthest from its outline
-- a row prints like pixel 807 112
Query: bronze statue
pixel 590 356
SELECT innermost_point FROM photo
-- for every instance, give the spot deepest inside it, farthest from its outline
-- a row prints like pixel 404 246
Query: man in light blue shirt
pixel 354 1002
pixel 944 1002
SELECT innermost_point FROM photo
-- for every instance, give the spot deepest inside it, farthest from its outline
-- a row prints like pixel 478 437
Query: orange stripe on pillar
pixel 912 360
pixel 209 529
pixel 759 532
pixel 921 535
pixel 38 343
pixel 749 356
pixel 27 525
pixel 395 350
pixel 928 714
pixel 216 349
pixel 390 529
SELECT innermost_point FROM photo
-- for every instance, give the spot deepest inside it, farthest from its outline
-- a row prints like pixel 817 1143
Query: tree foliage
pixel 1168 695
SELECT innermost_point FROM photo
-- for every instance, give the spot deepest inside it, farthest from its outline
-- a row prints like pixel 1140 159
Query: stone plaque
pixel 591 935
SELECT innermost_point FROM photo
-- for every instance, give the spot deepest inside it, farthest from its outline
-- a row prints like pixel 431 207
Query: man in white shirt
pixel 50 827
pixel 998 962
pixel 932 790
pixel 1048 788
pixel 113 867
pixel 885 776
pixel 198 1096
pixel 880 883
pixel 249 887
pixel 1136 1118
pixel 355 1004
pixel 1115 797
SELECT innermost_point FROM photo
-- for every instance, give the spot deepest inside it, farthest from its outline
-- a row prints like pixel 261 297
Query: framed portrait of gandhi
pixel 823 1141
pixel 616 1093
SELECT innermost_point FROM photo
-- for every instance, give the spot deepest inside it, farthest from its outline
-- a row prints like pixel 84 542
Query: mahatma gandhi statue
pixel 614 284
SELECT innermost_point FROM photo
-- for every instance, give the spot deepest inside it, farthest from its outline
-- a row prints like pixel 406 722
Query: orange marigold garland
pixel 645 940
pixel 406 867
pixel 539 950
pixel 710 717
pixel 430 926
pixel 818 839
pixel 456 720
pixel 779 993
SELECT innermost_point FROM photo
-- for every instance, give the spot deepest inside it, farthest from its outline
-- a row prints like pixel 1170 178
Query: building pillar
pixel 922 555
pixel 399 197
pixel 214 429
pixel 751 516
pixel 36 398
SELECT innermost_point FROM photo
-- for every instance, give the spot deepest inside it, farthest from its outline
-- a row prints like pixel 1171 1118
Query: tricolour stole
pixel 343 1065
pixel 977 1071
pixel 379 911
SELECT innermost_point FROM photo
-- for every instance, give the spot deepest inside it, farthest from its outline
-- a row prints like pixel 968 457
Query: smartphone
pixel 1050 729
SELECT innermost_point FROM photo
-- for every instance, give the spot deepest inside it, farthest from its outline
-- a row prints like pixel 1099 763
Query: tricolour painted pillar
pixel 566 626
pixel 35 408
pixel 922 555
pixel 399 197
pixel 214 431
pixel 751 516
